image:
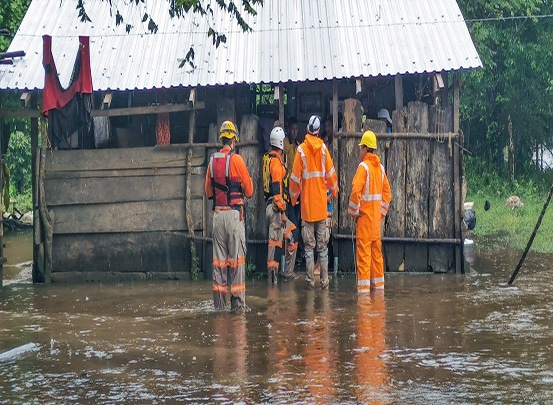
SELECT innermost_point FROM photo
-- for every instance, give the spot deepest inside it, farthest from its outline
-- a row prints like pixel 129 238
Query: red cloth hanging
pixel 54 96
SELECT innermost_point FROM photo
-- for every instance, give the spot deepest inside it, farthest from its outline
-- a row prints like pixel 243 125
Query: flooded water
pixel 429 339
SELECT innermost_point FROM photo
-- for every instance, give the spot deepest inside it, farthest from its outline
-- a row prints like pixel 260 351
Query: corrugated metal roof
pixel 292 40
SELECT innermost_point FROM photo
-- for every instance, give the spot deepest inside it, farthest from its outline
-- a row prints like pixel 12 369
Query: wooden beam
pixel 151 109
pixel 107 100
pixel 25 98
pixel 115 112
pixel 19 113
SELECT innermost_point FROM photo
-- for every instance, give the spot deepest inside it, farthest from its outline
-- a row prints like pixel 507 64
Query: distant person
pixel 313 174
pixel 227 182
pixel 280 214
pixel 384 115
pixel 368 204
pixel 291 143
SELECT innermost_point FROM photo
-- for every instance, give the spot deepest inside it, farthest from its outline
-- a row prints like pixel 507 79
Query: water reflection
pixel 430 338
pixel 371 375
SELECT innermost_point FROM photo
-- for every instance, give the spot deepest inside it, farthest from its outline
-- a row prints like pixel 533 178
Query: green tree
pixel 516 80
pixel 11 14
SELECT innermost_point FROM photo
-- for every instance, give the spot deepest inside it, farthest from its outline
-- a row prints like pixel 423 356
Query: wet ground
pixel 429 339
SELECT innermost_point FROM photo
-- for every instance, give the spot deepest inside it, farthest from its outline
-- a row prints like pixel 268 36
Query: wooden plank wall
pixel 420 171
pixel 119 211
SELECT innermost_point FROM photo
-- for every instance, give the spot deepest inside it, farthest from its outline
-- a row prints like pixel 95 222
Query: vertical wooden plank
pixel 2 157
pixel 417 185
pixel 456 101
pixel 281 105
pixel 336 158
pixel 444 91
pixel 457 178
pixel 188 203
pixel 255 215
pixel 213 137
pixel 441 258
pixel 398 90
pixel 34 184
pixel 349 158
pixel 396 167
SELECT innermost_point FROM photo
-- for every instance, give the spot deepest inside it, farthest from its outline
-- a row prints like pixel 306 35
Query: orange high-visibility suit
pixel 313 174
pixel 229 232
pixel 369 202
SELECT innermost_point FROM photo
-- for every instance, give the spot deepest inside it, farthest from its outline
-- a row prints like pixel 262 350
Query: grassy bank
pixel 501 226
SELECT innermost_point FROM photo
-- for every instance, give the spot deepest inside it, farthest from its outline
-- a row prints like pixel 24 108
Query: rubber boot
pixel 323 259
pixel 309 268
pixel 272 276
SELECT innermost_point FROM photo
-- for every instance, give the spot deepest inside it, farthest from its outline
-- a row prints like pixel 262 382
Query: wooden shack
pixel 135 208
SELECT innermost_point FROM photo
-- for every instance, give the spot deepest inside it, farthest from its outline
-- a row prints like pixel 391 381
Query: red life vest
pixel 226 191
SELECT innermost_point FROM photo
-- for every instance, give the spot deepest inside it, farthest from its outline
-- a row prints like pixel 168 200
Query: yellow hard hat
pixel 368 139
pixel 228 130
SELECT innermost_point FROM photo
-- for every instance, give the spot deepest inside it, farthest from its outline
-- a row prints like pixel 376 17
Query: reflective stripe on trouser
pixel 370 265
pixel 229 259
pixel 315 235
pixel 276 234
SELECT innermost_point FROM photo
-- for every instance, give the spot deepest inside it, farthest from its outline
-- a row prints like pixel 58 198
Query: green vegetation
pixel 502 226
pixel 18 159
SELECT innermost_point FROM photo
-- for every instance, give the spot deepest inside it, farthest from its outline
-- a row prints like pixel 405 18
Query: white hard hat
pixel 383 113
pixel 276 138
pixel 314 125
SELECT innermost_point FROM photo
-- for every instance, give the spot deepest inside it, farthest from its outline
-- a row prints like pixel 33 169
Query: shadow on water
pixel 429 338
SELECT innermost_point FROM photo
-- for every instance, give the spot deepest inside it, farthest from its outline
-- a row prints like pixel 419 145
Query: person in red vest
pixel 368 204
pixel 227 182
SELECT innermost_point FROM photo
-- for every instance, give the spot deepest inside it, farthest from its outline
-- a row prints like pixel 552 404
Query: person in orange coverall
pixel 313 174
pixel 368 204
pixel 227 182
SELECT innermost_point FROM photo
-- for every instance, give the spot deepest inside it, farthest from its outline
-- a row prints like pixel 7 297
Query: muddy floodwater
pixel 428 339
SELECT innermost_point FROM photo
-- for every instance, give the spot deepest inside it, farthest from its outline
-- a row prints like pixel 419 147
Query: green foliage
pixel 18 159
pixel 250 271
pixel 516 80
pixel 11 14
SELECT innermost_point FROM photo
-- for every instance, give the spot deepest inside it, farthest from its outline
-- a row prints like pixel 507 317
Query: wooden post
pixel 256 223
pixel 511 158
pixel 1 200
pixel 441 211
pixel 456 102
pixel 417 187
pixel 398 89
pixel 444 91
pixel 194 266
pixel 46 216
pixel 396 167
pixel 457 178
pixel 336 158
pixel 349 152
pixel 35 155
pixel 281 105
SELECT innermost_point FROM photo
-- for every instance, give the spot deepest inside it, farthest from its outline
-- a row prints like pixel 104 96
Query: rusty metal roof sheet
pixel 292 40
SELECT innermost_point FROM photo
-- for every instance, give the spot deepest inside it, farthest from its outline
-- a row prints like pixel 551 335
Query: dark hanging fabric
pixel 68 110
